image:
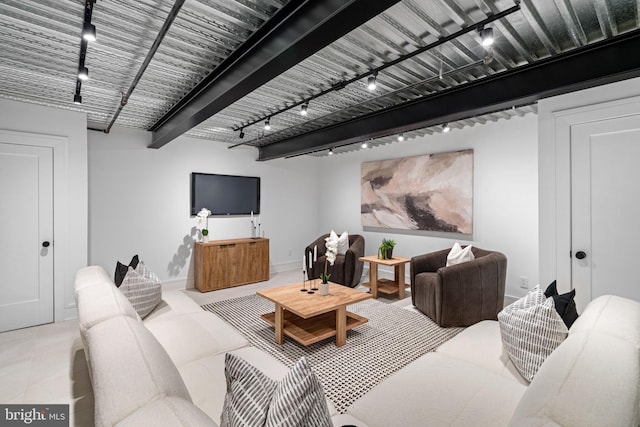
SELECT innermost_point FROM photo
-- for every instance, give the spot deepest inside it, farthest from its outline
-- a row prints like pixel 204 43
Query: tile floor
pixel 46 364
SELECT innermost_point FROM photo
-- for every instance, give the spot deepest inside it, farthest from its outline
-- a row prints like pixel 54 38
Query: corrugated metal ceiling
pixel 39 41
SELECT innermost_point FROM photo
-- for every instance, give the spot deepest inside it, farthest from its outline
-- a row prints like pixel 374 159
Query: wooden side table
pixel 386 286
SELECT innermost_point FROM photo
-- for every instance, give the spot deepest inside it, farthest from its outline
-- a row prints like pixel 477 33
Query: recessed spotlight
pixel 401 137
pixel 83 73
pixel 77 99
pixel 371 81
pixel 267 125
pixel 486 34
pixel 445 127
pixel 303 110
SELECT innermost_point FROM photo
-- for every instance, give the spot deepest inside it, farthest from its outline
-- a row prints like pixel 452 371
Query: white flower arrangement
pixel 203 218
pixel 332 252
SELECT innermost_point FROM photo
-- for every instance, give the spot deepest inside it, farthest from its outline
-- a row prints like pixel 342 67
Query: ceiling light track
pixel 372 74
pixel 88 35
pixel 156 44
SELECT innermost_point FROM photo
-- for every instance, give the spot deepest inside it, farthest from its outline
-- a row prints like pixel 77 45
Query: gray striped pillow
pixel 249 393
pixel 531 329
pixel 142 288
pixel 299 400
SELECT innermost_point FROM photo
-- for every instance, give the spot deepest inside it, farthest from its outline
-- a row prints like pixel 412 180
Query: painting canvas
pixel 431 192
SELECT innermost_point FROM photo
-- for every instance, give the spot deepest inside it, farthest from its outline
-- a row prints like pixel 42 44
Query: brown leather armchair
pixel 462 294
pixel 347 269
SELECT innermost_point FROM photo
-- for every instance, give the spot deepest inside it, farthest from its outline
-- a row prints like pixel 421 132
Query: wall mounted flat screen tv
pixel 225 194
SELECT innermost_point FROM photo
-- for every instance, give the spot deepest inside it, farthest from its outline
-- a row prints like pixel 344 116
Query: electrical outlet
pixel 524 282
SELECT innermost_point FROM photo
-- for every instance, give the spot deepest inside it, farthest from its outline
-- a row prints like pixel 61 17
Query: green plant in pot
pixel 385 251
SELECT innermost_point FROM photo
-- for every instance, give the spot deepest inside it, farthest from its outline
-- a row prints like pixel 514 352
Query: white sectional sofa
pixel 169 369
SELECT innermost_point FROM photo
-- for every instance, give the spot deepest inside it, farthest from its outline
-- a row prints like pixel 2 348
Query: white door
pixel 26 236
pixel 605 208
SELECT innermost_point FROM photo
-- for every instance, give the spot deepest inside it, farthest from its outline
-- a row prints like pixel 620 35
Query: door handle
pixel 581 255
pixel 45 244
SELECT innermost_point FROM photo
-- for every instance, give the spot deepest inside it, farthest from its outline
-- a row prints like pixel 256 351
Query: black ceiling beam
pixel 596 64
pixel 298 30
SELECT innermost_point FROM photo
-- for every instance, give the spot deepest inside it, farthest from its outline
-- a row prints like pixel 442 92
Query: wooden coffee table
pixel 386 286
pixel 309 318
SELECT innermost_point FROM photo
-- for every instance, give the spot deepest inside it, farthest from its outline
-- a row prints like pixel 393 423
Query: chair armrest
pixel 352 264
pixel 429 263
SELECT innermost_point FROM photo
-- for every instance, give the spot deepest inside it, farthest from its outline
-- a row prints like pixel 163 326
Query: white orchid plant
pixel 332 251
pixel 203 218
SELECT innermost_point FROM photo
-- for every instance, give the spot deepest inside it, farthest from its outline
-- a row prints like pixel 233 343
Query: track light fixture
pixel 303 110
pixel 83 73
pixel 364 144
pixel 486 34
pixel 267 125
pixel 371 81
pixel 77 99
pixel 331 151
pixel 241 135
pixel 445 127
pixel 401 137
pixel 89 32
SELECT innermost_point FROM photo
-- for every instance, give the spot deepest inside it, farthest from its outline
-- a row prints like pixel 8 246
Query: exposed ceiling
pixel 264 58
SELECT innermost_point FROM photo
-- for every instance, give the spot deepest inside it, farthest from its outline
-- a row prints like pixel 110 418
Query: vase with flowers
pixel 202 218
pixel 332 251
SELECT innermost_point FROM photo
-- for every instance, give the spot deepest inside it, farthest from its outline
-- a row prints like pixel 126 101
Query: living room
pixel 115 197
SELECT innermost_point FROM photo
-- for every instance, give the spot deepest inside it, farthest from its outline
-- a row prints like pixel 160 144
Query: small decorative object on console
pixel 203 218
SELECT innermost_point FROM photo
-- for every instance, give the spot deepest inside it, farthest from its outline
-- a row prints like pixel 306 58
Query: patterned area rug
pixel 391 339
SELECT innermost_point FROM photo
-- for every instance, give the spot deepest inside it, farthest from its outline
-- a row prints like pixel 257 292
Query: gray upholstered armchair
pixel 462 294
pixel 347 269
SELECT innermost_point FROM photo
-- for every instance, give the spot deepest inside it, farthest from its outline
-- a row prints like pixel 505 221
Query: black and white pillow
pixel 564 303
pixel 531 329
pixel 249 394
pixel 121 270
pixel 142 288
pixel 253 399
pixel 299 400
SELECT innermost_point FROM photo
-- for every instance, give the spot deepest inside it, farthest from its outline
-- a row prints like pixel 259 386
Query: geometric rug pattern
pixel 392 338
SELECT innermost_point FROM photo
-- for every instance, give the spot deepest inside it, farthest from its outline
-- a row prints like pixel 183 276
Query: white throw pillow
pixel 142 288
pixel 457 255
pixel 531 329
pixel 343 243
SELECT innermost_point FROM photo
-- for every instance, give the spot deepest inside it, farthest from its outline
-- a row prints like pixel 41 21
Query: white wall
pixel 70 200
pixel 139 201
pixel 505 211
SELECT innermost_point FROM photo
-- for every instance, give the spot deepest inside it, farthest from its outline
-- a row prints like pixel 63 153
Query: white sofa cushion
pixel 129 369
pixel 192 336
pixel 173 303
pixel 481 345
pixel 613 315
pixel 591 380
pixel 99 302
pixel 169 412
pixel 438 390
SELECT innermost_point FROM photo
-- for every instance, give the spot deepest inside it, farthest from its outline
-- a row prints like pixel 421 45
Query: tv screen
pixel 225 194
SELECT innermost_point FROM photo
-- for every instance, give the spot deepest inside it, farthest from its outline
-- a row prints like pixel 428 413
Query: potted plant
pixel 385 251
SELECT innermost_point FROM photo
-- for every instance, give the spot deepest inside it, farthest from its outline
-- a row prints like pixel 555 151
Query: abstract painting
pixel 432 192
